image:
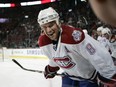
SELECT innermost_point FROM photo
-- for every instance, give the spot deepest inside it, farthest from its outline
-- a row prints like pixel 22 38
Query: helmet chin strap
pixel 56 41
pixel 59 33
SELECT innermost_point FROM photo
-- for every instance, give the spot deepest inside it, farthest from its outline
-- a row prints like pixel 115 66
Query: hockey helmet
pixel 48 15
pixel 100 29
pixel 106 31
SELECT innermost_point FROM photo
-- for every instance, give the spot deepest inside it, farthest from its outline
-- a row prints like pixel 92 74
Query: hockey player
pixel 106 33
pixel 76 53
pixel 99 29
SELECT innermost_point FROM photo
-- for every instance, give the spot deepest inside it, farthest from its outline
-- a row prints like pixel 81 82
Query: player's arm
pixel 100 58
pixel 50 69
pixel 108 82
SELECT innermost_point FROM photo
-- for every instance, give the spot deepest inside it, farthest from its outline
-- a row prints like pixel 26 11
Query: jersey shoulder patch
pixel 43 40
pixel 72 35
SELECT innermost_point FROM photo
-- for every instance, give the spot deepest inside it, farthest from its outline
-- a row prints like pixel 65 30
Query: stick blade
pixel 16 63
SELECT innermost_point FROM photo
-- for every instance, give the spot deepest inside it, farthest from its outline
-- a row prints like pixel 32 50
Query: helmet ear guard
pixel 48 15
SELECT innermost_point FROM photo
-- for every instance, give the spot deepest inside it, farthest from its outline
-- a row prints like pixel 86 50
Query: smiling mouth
pixel 51 34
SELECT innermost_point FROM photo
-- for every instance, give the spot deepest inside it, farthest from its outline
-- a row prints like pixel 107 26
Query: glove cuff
pixel 52 69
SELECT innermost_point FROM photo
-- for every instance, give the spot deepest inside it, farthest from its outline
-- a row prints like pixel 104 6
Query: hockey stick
pixel 26 68
pixel 62 75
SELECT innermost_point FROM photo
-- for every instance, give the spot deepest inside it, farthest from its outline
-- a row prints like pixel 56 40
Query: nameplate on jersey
pixel 90 49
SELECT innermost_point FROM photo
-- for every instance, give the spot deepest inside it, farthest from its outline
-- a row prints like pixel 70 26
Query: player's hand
pixel 109 85
pixel 109 82
pixel 50 72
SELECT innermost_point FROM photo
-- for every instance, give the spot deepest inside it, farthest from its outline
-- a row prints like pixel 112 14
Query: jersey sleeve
pixel 98 56
pixel 72 35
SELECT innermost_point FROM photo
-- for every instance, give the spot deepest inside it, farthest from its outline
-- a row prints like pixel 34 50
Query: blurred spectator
pixel 106 33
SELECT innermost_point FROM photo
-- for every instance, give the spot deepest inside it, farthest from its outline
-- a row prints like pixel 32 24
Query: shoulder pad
pixel 72 35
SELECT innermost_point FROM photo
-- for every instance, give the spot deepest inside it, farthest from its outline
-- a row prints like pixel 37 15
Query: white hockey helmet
pixel 99 29
pixel 106 31
pixel 48 15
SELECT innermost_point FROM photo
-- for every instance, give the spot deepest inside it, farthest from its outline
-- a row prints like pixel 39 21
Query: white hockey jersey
pixel 105 42
pixel 78 54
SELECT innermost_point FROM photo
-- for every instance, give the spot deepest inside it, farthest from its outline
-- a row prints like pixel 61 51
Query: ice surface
pixel 11 75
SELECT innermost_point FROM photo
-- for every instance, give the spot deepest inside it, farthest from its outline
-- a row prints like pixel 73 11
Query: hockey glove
pixel 108 82
pixel 50 72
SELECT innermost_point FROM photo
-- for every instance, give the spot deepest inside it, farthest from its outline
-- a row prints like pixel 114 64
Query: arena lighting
pixel 30 3
pixel 83 0
pixel 36 2
pixel 26 16
pixel 3 20
pixel 5 5
pixel 69 10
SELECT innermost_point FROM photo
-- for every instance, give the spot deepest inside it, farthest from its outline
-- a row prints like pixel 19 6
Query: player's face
pixel 99 33
pixel 51 29
pixel 106 35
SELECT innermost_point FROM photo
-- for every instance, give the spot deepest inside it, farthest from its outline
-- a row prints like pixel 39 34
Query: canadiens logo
pixel 77 35
pixel 64 62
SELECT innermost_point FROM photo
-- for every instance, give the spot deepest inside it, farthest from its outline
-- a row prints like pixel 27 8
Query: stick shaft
pixel 62 75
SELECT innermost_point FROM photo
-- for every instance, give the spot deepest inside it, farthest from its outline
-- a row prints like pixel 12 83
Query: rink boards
pixel 21 53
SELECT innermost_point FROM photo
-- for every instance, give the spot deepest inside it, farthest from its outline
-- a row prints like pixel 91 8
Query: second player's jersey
pixel 105 42
pixel 77 54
